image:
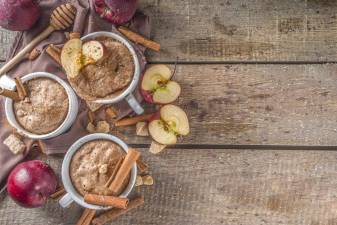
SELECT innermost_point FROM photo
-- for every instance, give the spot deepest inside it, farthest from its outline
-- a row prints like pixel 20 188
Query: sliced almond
pixel 156 148
pixel 101 127
pixel 147 180
pixel 142 129
pixel 139 181
pixel 111 112
pixel 93 106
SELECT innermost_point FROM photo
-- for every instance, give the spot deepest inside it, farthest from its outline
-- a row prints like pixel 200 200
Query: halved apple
pixel 94 50
pixel 156 86
pixel 72 58
pixel 173 121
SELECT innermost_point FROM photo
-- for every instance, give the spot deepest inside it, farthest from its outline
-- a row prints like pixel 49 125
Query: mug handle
pixel 66 200
pixel 134 104
pixel 7 82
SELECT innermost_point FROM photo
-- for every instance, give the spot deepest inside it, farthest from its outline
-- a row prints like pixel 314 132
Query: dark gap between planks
pixel 245 147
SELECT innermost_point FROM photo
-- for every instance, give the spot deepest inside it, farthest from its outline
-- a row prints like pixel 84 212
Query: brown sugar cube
pixel 15 144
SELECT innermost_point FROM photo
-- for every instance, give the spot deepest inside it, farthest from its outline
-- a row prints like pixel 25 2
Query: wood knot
pixel 63 16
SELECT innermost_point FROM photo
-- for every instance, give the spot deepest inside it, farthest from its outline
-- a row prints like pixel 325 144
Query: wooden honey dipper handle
pixel 62 17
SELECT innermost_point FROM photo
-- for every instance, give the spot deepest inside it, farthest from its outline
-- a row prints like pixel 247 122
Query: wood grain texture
pixel 257 104
pixel 217 30
pixel 198 187
pixel 268 30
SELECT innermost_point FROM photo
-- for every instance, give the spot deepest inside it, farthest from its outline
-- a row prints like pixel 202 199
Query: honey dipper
pixel 61 18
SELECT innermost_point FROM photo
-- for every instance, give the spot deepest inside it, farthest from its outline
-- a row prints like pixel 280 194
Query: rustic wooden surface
pixel 257 104
pixel 255 30
pixel 284 107
pixel 218 187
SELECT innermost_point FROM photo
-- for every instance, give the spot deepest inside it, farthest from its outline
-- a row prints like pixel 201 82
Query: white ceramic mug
pixel 9 83
pixel 72 195
pixel 127 93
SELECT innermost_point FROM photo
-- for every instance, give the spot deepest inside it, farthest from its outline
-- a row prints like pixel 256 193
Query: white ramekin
pixel 72 194
pixel 9 83
pixel 127 93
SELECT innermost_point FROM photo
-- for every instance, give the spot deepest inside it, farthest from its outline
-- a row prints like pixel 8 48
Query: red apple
pixel 116 11
pixel 19 15
pixel 31 183
pixel 172 122
pixel 156 86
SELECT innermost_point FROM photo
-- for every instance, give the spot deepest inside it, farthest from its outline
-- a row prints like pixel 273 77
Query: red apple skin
pixel 31 183
pixel 147 95
pixel 155 116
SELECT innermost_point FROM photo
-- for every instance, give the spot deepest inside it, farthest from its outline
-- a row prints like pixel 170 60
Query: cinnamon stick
pixel 130 158
pixel 137 38
pixel 133 120
pixel 118 165
pixel 9 94
pixel 20 88
pixel 54 53
pixel 114 213
pixel 59 192
pixel 87 216
pixel 103 200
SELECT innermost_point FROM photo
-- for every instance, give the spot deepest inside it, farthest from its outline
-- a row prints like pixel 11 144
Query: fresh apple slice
pixel 94 50
pixel 167 124
pixel 71 57
pixel 175 118
pixel 154 76
pixel 160 133
pixel 167 94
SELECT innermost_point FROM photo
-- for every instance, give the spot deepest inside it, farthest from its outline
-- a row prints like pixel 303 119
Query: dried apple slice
pixel 71 57
pixel 167 94
pixel 94 50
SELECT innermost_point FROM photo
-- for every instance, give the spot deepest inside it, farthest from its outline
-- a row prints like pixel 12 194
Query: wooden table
pixel 259 84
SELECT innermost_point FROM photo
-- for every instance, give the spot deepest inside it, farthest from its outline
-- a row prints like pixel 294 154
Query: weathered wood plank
pixel 217 30
pixel 257 104
pixel 198 187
